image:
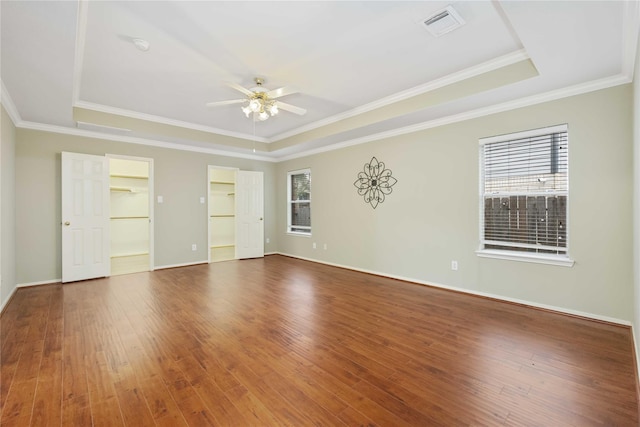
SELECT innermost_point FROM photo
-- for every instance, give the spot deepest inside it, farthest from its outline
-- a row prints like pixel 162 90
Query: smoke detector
pixel 141 44
pixel 443 21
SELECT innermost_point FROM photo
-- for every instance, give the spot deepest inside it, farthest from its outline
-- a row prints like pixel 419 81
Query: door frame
pixel 152 221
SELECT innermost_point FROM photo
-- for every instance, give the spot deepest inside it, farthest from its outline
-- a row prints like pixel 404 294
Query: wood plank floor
pixel 279 341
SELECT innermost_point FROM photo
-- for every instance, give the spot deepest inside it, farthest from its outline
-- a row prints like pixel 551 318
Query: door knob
pixel 67 223
pixel 260 219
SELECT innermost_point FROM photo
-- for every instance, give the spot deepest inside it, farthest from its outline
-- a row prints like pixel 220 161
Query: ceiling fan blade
pixel 291 108
pixel 227 102
pixel 277 93
pixel 237 87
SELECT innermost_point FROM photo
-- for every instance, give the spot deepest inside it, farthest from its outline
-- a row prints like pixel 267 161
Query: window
pixel 524 186
pixel 299 201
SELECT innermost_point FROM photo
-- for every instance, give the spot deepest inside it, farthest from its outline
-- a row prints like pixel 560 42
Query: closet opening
pixel 131 214
pixel 222 213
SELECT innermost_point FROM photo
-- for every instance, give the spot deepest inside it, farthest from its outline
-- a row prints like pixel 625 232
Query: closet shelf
pixel 223 216
pixel 128 176
pixel 129 217
pixel 129 254
pixel 221 246
pixel 223 182
pixel 124 189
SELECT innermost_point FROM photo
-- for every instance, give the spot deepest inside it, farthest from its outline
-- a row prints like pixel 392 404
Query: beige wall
pixel 431 217
pixel 180 177
pixel 7 207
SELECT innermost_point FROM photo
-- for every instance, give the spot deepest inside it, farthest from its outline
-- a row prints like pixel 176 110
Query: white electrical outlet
pixel 454 265
pixel 202 200
pixel 160 199
pixel 325 246
pixel 194 247
pixel 267 240
pixel 314 245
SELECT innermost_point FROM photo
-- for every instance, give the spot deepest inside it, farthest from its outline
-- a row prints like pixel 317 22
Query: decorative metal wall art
pixel 375 182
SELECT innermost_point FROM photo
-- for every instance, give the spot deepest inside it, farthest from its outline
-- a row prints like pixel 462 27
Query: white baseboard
pixel 472 292
pixel 26 285
pixel 43 282
pixel 185 264
pixel 4 303
pixel 637 355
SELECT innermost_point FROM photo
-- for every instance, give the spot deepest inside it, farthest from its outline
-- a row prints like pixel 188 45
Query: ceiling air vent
pixel 443 21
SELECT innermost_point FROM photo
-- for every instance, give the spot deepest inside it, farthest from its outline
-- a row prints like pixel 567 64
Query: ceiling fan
pixel 260 101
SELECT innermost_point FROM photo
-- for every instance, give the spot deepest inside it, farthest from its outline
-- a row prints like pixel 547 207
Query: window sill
pixel 296 233
pixel 563 261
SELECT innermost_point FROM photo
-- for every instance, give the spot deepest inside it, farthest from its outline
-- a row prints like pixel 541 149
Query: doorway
pixel 235 214
pixel 222 213
pixel 131 214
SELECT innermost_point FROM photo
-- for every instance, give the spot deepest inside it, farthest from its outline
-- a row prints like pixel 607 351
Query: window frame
pixel 513 255
pixel 290 202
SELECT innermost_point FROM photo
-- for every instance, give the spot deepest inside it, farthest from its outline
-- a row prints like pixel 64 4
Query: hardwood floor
pixel 279 341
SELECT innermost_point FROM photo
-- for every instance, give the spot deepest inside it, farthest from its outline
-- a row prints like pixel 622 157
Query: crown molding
pixel 480 112
pixel 485 67
pixel 9 106
pixel 465 74
pixel 485 111
pixel 163 120
pixel 140 141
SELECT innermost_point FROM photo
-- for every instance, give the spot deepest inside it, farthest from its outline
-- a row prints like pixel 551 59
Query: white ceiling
pixel 354 63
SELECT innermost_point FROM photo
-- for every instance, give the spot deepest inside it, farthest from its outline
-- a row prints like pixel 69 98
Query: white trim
pixel 635 346
pixel 42 282
pixel 184 264
pixel 526 257
pixel 579 89
pixel 165 121
pixel 81 31
pixel 4 303
pixel 9 106
pixel 299 233
pixel 468 73
pixel 140 141
pixel 472 292
pixel 524 134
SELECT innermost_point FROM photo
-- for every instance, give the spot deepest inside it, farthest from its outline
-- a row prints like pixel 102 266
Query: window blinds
pixel 299 215
pixel 525 188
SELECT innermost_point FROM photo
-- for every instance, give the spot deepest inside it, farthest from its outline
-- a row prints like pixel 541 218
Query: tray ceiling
pixel 363 69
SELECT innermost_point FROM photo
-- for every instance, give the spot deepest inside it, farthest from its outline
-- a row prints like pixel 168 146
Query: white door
pixel 85 217
pixel 249 215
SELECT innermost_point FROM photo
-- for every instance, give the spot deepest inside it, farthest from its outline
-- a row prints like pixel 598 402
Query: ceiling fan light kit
pixel 260 102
